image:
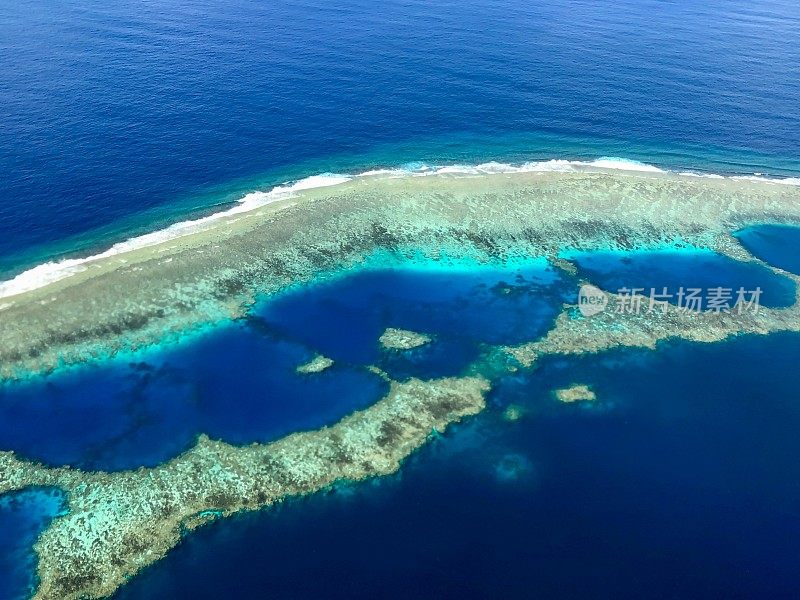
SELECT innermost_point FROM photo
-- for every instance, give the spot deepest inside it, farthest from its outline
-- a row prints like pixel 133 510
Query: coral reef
pixel 514 412
pixel 128 300
pixel 119 523
pixel 316 365
pixel 611 328
pixel 402 339
pixel 575 393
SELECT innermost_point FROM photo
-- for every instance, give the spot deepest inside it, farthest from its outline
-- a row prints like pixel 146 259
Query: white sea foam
pixel 762 179
pixel 314 181
pixel 623 164
pixel 51 272
pixel 497 168
pixel 384 173
pixel 703 175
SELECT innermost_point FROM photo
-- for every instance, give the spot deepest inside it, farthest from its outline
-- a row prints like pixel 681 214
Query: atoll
pixel 118 523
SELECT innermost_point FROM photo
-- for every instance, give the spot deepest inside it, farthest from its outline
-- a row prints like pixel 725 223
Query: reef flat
pixel 119 523
pixel 140 297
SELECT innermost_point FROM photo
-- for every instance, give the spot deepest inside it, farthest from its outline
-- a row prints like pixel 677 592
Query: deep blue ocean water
pixel 238 384
pixel 117 118
pixel 680 481
pixel 120 117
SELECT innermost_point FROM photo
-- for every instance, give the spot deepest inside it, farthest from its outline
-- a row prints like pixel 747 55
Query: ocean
pixel 119 118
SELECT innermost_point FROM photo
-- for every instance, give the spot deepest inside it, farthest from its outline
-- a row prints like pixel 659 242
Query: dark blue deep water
pixel 119 116
pixel 680 481
pixel 238 384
